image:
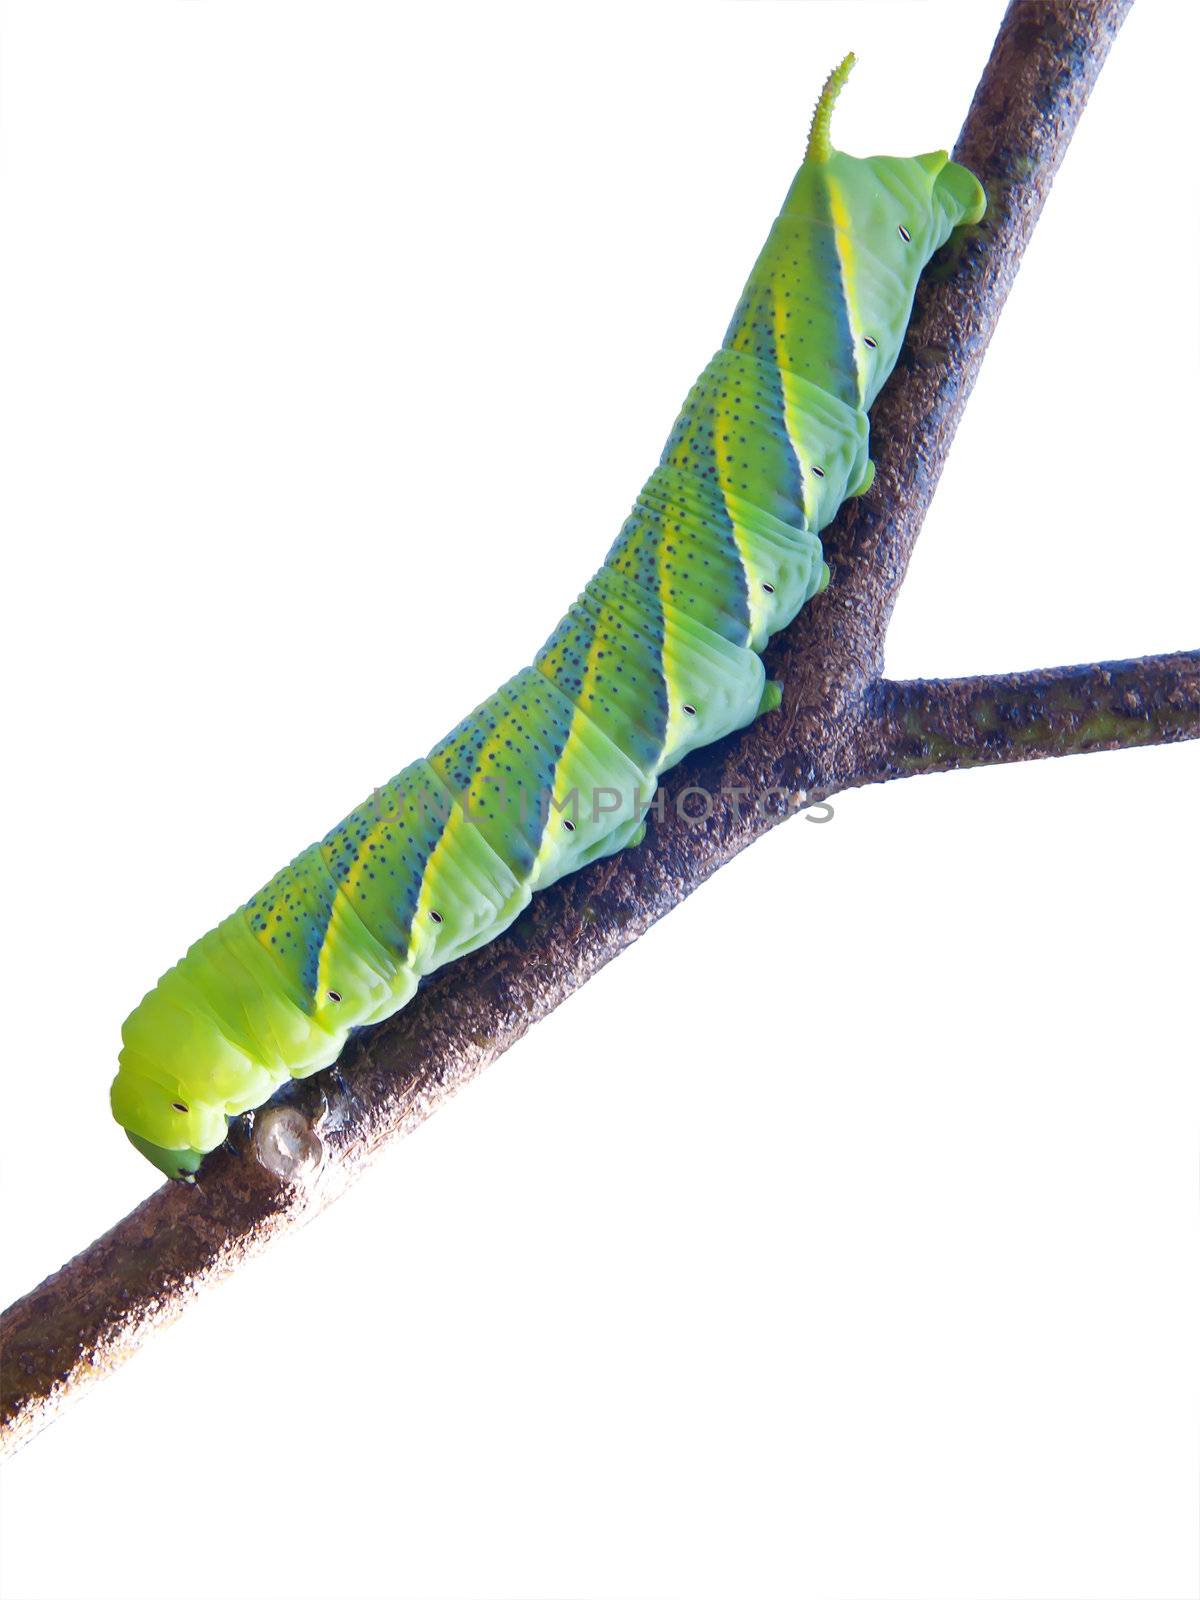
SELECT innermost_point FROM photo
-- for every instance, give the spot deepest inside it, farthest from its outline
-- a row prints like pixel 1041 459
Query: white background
pixel 840 1239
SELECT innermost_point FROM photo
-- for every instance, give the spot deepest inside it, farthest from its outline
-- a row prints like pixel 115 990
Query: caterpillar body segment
pixel 527 767
pixel 658 655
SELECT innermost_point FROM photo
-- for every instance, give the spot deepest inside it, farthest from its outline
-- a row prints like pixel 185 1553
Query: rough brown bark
pixel 832 732
pixel 942 724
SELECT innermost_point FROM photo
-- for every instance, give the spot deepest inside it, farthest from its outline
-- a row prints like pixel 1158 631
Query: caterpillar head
pixel 178 1078
pixel 170 1129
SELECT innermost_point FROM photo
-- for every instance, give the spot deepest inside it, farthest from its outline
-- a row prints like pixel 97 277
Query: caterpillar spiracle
pixel 660 654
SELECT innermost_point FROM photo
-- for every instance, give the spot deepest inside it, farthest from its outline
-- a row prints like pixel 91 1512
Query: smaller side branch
pixel 943 724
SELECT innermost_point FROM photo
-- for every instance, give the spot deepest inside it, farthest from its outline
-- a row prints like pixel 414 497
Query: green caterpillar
pixel 657 656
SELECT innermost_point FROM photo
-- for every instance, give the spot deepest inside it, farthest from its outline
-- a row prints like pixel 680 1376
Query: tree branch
pixel 942 724
pixel 89 1316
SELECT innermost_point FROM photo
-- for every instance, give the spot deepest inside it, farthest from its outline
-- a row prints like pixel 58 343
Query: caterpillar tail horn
pixel 819 147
